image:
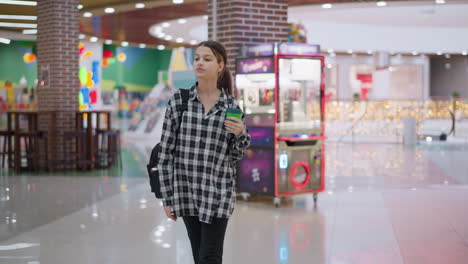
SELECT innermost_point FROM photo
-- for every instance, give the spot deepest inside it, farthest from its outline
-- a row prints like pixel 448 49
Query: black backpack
pixel 153 172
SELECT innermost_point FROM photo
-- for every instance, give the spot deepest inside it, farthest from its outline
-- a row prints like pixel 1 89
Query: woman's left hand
pixel 234 125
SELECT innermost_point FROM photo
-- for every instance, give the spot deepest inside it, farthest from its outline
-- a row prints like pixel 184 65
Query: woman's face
pixel 206 65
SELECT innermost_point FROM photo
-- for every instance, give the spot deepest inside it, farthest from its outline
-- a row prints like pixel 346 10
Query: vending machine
pixel 280 87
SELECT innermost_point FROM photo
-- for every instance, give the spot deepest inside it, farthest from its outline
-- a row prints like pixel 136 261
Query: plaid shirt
pixel 198 169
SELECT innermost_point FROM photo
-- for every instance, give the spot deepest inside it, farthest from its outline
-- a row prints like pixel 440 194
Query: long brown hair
pixel 224 79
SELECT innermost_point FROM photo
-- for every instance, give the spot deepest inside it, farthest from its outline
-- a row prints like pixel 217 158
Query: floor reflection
pixel 384 203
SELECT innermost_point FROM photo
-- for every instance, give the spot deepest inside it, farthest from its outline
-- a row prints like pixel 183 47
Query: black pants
pixel 207 239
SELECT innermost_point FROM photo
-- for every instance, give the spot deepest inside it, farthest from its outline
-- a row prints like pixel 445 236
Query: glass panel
pixel 257 92
pixel 299 85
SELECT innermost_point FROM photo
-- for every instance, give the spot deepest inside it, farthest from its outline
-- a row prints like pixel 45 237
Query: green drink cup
pixel 233 112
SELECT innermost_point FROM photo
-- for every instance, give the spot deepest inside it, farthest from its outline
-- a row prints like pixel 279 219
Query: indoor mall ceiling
pixel 123 20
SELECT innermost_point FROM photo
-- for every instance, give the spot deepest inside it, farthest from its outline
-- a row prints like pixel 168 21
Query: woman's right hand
pixel 170 213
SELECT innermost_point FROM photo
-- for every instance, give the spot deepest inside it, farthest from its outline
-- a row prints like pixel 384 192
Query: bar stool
pixel 31 158
pixel 6 152
pixel 107 150
pixel 76 154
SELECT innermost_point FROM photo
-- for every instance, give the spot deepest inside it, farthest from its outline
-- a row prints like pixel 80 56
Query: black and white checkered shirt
pixel 197 171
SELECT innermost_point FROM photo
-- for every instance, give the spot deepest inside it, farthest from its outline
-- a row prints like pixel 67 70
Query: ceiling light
pixel 168 37
pixel 193 42
pixel 80 7
pixel 166 25
pixel 139 5
pixel 327 6
pixel 161 47
pixel 179 40
pixel 439 53
pixel 18 17
pixel 464 53
pixel 182 21
pixel 381 3
pixel 5 40
pixel 87 14
pixel 30 31
pixel 108 41
pixel 415 53
pixel 440 2
pixel 205 17
pixel 18 25
pixel 10 2
pixel 142 46
pixel 81 36
pixel 124 43
pixel 93 39
pixel 177 1
pixel 109 10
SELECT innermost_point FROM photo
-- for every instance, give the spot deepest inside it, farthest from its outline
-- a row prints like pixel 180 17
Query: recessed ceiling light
pixel 87 14
pixel 177 1
pixel 193 42
pixel 182 21
pixel 108 41
pixel 142 46
pixel 5 41
pixel 139 5
pixel 15 17
pixel 168 37
pixel 30 31
pixel 80 7
pixel 161 47
pixel 93 39
pixel 205 17
pixel 179 40
pixel 18 25
pixel 327 6
pixel 12 2
pixel 124 43
pixel 464 53
pixel 440 2
pixel 381 3
pixel 81 36
pixel 109 10
pixel 166 25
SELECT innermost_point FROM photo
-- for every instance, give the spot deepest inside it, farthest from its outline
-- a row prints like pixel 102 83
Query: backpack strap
pixel 185 97
pixel 185 93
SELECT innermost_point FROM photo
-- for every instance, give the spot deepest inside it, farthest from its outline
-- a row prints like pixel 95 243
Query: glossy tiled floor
pixel 383 204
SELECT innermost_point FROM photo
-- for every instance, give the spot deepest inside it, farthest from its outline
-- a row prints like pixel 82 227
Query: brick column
pixel 238 22
pixel 57 53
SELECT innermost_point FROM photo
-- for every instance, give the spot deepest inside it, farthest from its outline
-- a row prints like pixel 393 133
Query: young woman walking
pixel 197 164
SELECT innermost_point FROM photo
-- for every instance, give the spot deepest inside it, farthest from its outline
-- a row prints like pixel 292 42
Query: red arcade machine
pixel 281 90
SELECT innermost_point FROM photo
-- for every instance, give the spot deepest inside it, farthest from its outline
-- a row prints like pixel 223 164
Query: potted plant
pixel 356 96
pixel 456 95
